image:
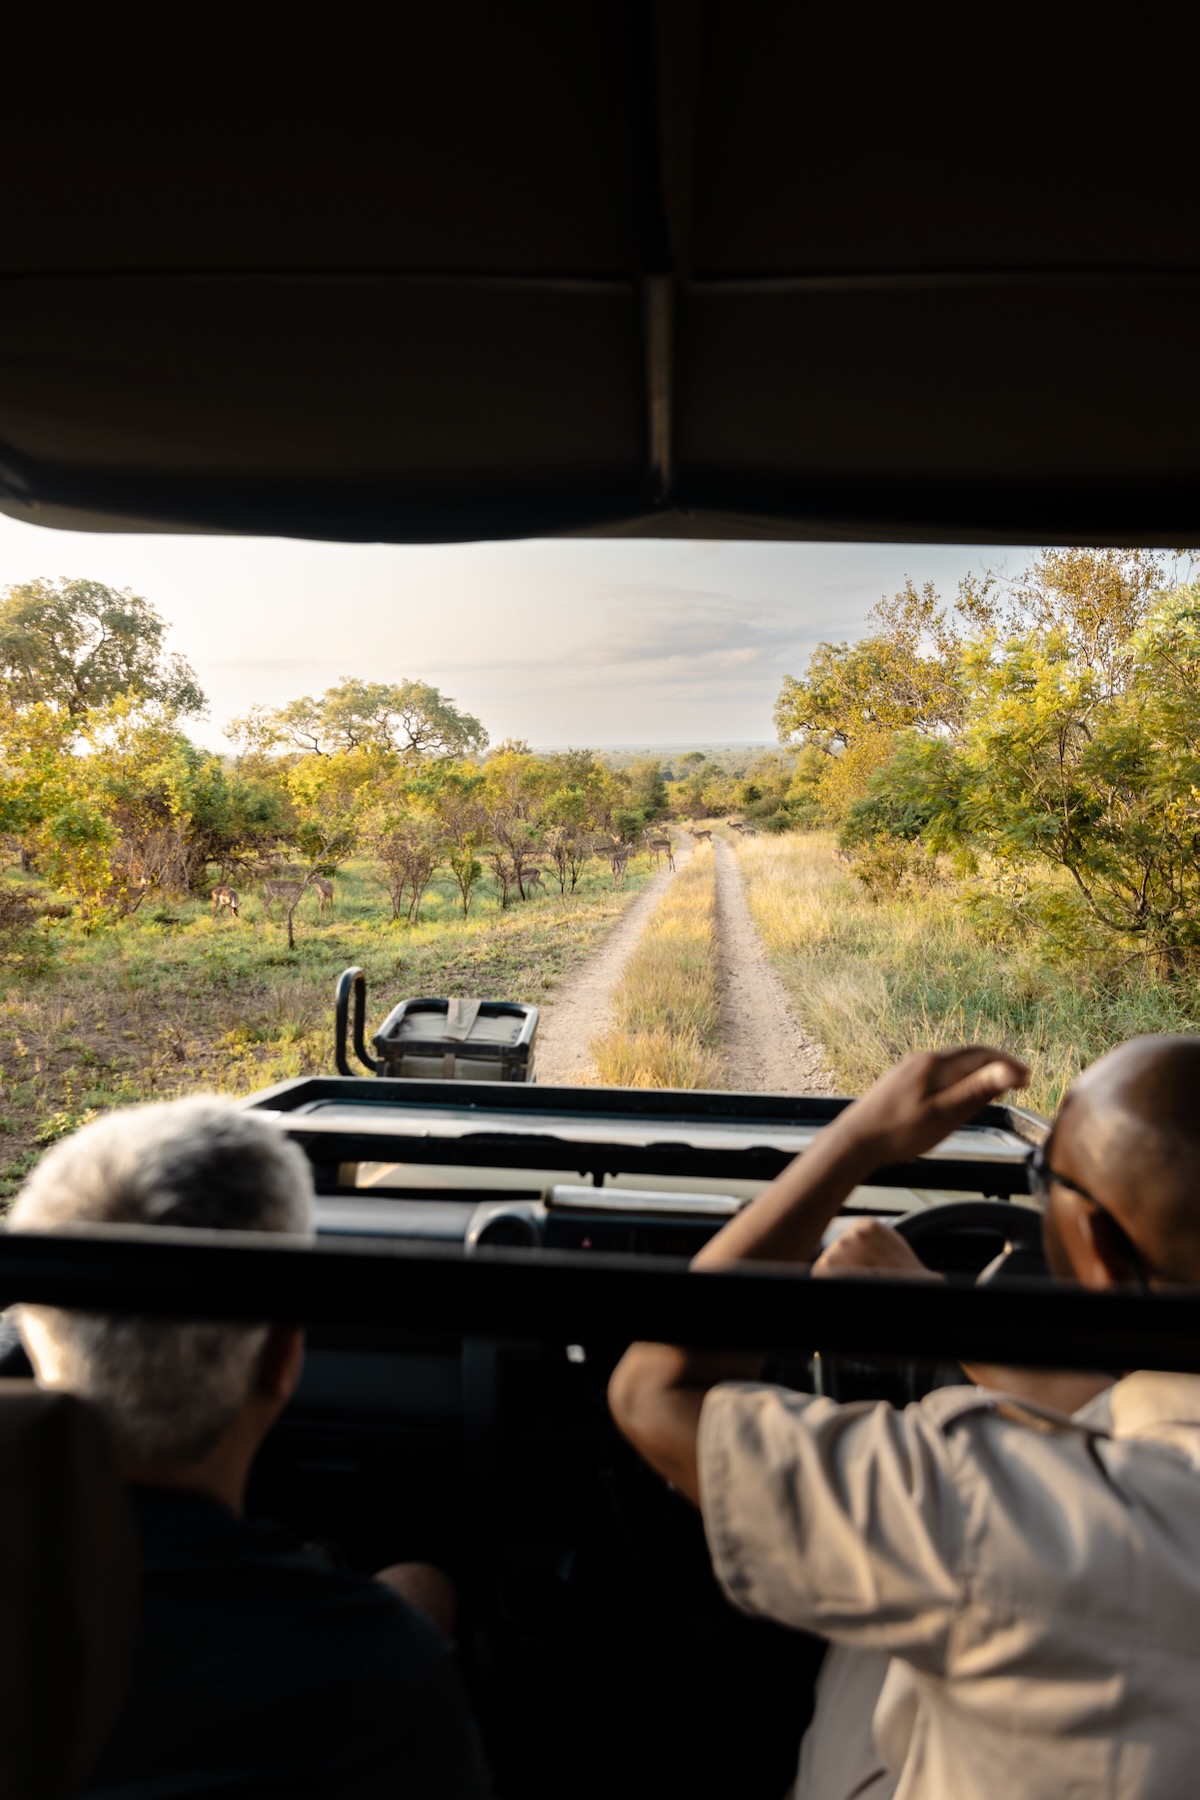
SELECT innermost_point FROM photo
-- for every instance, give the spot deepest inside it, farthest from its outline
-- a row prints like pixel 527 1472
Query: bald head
pixel 1128 1134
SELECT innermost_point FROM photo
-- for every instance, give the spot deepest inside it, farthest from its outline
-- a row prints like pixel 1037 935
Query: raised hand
pixel 924 1098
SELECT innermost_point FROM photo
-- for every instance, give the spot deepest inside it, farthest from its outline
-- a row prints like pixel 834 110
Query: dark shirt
pixel 263 1668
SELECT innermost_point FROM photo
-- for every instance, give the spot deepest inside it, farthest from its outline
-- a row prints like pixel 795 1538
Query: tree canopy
pixel 412 718
pixel 76 644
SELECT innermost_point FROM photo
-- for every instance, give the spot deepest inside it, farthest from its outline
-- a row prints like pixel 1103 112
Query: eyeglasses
pixel 1041 1176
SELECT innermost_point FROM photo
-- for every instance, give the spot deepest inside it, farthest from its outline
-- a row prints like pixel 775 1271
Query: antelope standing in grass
pixel 287 891
pixel 661 846
pixel 532 882
pixel 224 899
pixel 290 891
pixel 619 860
pixel 702 837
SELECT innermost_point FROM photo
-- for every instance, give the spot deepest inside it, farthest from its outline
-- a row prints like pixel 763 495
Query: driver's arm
pixel 657 1390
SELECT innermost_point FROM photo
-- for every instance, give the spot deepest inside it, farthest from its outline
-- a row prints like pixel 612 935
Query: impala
pixel 287 891
pixel 224 899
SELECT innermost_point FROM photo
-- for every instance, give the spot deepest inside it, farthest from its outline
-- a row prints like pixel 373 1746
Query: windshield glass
pixel 748 817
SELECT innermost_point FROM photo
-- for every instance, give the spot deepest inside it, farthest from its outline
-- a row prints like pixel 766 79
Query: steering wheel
pixel 1019 1226
pixel 1020 1230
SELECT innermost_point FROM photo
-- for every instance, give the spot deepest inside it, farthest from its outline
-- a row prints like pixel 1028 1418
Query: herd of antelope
pixel 289 892
pixel 227 900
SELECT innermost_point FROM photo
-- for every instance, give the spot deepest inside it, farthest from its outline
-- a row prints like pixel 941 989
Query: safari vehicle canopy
pixel 700 267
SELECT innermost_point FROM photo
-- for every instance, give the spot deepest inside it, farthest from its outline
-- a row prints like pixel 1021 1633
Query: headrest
pixel 68 1591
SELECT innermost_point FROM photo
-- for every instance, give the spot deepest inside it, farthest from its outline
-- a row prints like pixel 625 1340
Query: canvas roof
pixel 704 268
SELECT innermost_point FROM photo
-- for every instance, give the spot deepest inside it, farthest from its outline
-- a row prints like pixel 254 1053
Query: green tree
pixel 465 867
pixel 909 673
pixel 1070 760
pixel 45 798
pixel 903 676
pixel 803 801
pixel 331 798
pixel 117 810
pixel 74 645
pixel 1060 767
pixel 411 718
pixel 646 787
pixel 1092 602
pixel 917 794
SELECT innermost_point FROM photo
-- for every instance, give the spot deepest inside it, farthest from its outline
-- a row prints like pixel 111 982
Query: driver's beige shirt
pixel 1036 1578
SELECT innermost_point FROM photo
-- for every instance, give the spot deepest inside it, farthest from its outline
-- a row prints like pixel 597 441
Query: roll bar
pixel 590 1298
pixel 352 984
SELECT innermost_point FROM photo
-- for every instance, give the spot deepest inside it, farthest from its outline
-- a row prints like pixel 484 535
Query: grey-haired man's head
pixel 169 1388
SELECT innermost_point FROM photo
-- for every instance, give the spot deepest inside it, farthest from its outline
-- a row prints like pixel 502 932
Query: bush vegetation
pixel 109 799
pixel 1038 740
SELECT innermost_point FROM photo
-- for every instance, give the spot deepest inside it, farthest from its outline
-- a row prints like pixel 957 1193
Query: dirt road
pixel 582 1009
pixel 764 1049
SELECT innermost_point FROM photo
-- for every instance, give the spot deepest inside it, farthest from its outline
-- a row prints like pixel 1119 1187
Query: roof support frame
pixel 391 1285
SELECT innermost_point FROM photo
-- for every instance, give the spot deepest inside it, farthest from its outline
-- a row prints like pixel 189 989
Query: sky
pixel 566 641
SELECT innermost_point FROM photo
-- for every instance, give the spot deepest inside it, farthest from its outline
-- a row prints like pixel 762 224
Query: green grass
pixel 872 979
pixel 666 1011
pixel 147 1009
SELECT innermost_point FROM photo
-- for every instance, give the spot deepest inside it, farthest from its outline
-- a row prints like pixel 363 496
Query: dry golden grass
pixel 873 979
pixel 666 1010
pixel 655 1059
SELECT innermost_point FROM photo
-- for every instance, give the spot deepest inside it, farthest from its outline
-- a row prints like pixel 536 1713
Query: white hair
pixel 169 1388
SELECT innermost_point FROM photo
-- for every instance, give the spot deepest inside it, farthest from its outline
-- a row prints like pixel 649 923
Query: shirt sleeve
pixel 842 1520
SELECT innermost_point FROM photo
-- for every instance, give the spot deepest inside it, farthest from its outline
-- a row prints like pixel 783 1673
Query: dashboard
pixel 376 1401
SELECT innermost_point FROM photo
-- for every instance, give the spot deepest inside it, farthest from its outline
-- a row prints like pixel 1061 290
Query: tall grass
pixel 872 979
pixel 666 1011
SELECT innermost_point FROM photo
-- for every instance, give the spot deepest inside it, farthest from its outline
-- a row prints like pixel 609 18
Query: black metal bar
pixel 673 1114
pixel 341 1010
pixel 497 1150
pixel 360 1026
pixel 592 1298
pixel 681 1106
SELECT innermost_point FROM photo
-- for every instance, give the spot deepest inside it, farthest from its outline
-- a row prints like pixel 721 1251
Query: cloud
pixel 670 634
pixel 681 635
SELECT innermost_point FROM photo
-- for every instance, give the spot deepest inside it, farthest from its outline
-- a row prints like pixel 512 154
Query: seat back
pixel 68 1591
